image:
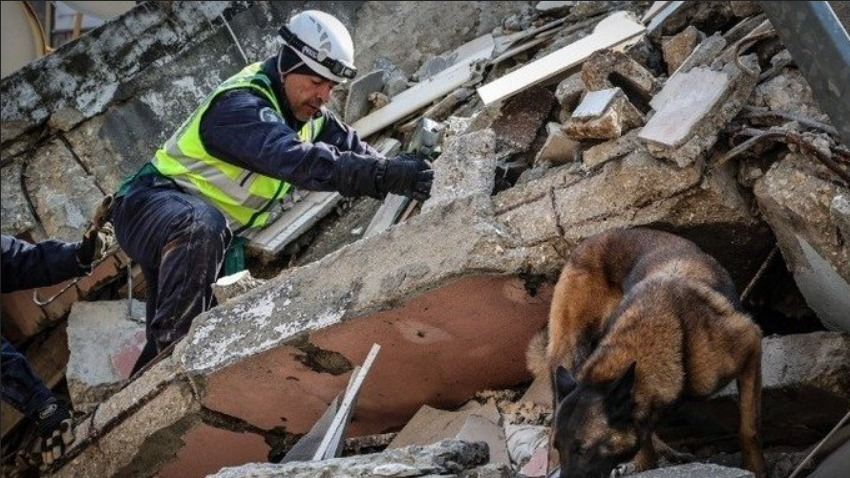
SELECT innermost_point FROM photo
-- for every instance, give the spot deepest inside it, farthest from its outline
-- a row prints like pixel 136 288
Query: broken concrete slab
pixel 17 217
pixel 518 120
pixel 696 470
pixel 796 200
pixel 558 148
pixel 63 206
pixel 608 69
pixel 703 55
pixel 789 92
pixel 604 114
pixel 104 344
pixel 693 107
pixel 597 155
pixel 466 167
pixel 449 457
pixel 568 93
pixel 677 48
pixel 357 103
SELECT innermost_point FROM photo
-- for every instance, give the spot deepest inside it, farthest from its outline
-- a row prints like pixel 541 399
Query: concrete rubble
pixel 654 131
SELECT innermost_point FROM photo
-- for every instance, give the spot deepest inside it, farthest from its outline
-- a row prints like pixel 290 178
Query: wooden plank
pixel 662 15
pixel 332 443
pixel 653 10
pixel 413 99
pixel 616 28
pixel 314 206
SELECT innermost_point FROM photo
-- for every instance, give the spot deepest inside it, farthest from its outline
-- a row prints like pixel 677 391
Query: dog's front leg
pixel 646 459
pixel 749 389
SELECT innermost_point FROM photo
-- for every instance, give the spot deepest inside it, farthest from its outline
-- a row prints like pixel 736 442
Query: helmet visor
pixel 335 66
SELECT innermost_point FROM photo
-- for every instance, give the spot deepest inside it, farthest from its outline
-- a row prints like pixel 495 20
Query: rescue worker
pixel 262 130
pixel 27 266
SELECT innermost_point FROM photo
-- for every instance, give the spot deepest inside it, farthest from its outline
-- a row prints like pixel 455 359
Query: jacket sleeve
pixel 25 265
pixel 243 129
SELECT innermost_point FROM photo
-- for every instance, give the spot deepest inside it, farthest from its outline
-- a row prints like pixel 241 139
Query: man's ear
pixel 619 401
pixel 562 383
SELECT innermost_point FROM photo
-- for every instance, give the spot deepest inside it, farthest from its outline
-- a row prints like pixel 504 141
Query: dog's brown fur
pixel 643 319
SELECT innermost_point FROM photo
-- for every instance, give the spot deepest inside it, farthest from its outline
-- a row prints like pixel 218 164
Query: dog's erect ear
pixel 564 383
pixel 619 402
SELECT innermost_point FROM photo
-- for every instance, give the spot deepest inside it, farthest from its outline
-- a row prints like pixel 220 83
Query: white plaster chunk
pixel 594 104
pixel 685 100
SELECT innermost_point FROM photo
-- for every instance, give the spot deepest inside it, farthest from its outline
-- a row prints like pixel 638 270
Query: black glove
pixel 407 174
pixel 56 427
pixel 99 237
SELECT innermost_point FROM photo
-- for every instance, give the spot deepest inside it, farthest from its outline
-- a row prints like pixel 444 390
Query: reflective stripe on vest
pixel 243 196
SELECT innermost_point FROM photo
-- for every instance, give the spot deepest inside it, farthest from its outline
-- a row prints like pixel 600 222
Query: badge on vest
pixel 268 115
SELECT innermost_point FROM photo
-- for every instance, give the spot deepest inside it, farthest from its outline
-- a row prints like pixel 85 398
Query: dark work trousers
pixel 19 386
pixel 179 241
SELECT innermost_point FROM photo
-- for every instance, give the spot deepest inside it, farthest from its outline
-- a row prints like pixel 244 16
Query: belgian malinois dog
pixel 641 319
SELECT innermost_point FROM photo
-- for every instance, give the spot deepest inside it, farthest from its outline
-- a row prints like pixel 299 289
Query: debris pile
pixel 567 119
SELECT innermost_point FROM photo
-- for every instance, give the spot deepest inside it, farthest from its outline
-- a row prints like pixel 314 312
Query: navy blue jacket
pixel 234 130
pixel 25 265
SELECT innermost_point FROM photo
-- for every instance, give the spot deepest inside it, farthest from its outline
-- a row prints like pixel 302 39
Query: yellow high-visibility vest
pixel 243 196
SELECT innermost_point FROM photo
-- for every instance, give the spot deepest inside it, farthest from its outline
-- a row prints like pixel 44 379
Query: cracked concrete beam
pixel 796 196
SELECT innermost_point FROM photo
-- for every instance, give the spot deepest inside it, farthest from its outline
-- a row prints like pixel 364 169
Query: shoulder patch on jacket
pixel 268 115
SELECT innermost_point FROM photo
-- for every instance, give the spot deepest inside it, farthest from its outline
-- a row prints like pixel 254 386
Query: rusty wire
pixel 789 137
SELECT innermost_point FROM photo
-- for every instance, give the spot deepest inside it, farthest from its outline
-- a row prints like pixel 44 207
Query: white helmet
pixel 323 44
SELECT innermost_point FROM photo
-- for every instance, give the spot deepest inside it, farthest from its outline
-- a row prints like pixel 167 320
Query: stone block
pixel 64 206
pixel 599 154
pixel 677 48
pixel 558 148
pixel 569 91
pixel 17 217
pixel 466 167
pixel 694 107
pixel 607 69
pixel 703 55
pixel 604 114
pixel 519 119
pixel 105 343
pixel 797 203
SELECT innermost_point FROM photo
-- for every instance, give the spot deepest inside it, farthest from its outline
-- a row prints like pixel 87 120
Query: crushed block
pixel 466 167
pixel 608 68
pixel 569 91
pixel 693 107
pixel 603 114
pixel 677 48
pixel 599 154
pixel 558 148
pixel 804 210
pixel 703 55
pixel 104 342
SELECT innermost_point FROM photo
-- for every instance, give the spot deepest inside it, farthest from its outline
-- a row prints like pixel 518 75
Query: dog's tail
pixel 535 356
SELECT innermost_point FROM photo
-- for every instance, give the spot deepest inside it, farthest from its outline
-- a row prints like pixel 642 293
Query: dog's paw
pixel 623 469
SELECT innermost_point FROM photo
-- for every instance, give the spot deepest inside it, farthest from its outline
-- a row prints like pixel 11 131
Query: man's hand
pixel 407 174
pixel 99 236
pixel 56 427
